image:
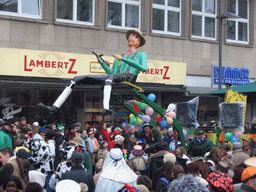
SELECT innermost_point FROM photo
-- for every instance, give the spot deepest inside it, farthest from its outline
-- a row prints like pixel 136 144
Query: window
pixel 22 8
pixel 238 29
pixel 204 19
pixel 76 11
pixel 167 17
pixel 124 14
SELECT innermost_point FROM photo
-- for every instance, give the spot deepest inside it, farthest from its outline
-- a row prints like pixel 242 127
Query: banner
pixel 235 97
pixel 39 63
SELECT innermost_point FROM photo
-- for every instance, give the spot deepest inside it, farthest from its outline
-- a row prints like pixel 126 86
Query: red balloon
pixel 159 119
pixel 136 108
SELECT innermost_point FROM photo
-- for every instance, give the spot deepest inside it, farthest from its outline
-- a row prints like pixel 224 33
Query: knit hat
pixel 77 156
pixel 220 182
pixel 42 129
pixel 170 157
pixel 22 118
pixel 131 127
pixel 248 173
pixel 169 129
pixel 237 145
pixel 67 185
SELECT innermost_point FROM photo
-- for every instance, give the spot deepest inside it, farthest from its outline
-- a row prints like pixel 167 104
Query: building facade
pixel 180 34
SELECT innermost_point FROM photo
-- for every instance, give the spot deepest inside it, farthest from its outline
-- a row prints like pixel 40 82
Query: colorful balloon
pixel 139 121
pixel 152 97
pixel 172 114
pixel 171 107
pixel 131 116
pixel 133 120
pixel 238 134
pixel 136 108
pixel 159 118
pixel 146 118
pixel 228 136
pixel 233 139
pixel 142 106
pixel 163 123
pixel 149 111
pixel 169 120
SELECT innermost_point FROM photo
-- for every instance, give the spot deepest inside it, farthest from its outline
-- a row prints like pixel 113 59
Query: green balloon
pixel 228 136
pixel 142 106
pixel 133 120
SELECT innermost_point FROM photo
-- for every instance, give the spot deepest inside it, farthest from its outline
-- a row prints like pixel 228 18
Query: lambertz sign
pixel 234 76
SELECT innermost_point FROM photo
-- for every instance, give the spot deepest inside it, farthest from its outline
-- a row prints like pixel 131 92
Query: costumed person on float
pixel 126 67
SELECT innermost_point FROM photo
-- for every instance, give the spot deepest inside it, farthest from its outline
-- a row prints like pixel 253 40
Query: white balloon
pixel 171 107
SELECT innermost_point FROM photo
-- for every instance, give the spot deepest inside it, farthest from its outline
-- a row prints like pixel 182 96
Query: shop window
pixel 238 29
pixel 124 14
pixel 22 8
pixel 204 14
pixel 167 17
pixel 76 11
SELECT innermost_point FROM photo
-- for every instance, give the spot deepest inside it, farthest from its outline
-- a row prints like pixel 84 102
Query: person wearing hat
pixel 77 172
pixel 5 137
pixel 169 138
pixel 246 147
pixel 253 126
pixel 151 137
pixel 126 67
pixel 249 180
pixel 115 173
pixel 77 142
pixel 200 140
pixel 238 155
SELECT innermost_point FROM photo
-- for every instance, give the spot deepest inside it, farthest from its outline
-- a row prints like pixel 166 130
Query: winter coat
pixel 154 138
pixel 244 188
pixel 41 156
pixel 238 157
pixel 79 175
pixel 205 143
pixel 5 139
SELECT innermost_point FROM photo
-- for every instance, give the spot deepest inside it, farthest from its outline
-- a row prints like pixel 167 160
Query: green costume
pixel 131 64
pixel 5 140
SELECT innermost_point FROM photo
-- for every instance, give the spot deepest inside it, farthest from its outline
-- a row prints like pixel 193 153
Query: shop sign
pixel 9 112
pixel 233 76
pixel 38 63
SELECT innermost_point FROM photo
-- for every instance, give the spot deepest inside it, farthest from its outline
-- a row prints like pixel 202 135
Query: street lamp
pixel 221 17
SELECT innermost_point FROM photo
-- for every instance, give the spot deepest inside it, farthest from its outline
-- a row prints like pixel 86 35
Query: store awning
pixel 245 88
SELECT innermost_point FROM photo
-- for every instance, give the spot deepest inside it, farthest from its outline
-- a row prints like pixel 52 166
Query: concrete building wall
pixel 199 55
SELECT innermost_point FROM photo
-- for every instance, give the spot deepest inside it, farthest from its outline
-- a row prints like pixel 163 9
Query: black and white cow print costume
pixel 41 156
pixel 63 167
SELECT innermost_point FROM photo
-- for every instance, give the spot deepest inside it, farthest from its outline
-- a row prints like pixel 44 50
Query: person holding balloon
pixel 151 137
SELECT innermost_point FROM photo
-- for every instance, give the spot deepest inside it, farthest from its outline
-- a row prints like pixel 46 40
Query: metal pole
pixel 220 46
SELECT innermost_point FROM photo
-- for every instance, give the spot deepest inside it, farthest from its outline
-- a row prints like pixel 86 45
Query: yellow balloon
pixel 139 121
pixel 169 120
pixel 131 116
